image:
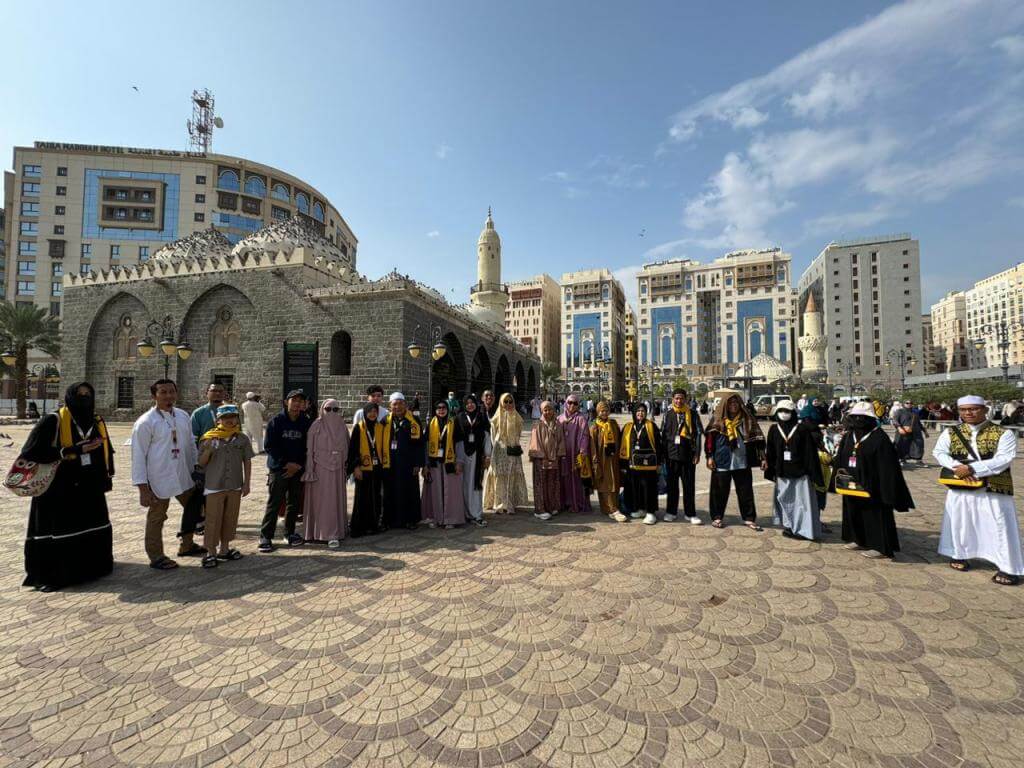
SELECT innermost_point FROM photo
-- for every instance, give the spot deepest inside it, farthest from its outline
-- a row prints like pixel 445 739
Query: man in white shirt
pixel 252 420
pixel 980 522
pixel 163 459
pixel 374 394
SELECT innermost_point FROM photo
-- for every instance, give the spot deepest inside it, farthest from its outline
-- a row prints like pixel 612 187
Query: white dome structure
pixel 287 236
pixel 765 367
pixel 206 244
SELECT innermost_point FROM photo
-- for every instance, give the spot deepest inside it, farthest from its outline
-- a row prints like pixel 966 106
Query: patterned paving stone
pixel 578 643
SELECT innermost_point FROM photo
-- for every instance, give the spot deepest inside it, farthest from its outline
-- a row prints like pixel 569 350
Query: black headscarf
pixel 82 407
pixel 479 428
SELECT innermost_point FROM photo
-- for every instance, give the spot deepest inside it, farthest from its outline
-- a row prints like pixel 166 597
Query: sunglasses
pixel 333 410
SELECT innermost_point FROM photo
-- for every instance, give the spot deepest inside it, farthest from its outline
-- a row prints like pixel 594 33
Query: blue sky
pixel 701 126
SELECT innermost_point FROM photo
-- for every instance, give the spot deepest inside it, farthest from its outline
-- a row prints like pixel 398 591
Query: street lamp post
pixel 437 351
pixel 850 370
pixel 164 330
pixel 905 360
pixel 1001 331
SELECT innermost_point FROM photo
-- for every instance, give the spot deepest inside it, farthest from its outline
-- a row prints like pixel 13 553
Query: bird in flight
pixel 643 232
pixel 135 88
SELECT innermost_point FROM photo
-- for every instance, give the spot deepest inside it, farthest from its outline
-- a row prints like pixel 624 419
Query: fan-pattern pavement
pixel 577 643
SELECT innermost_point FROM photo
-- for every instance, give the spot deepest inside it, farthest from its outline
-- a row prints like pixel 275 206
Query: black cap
pixel 297 393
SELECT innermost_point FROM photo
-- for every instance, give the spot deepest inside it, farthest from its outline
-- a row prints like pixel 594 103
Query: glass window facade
pixel 58 270
pixel 238 222
pixel 143 253
pixel 26 267
pixel 30 209
pixel 25 248
pixel 279 214
pixel 227 180
pixel 31 170
pixel 30 188
pixel 115 251
pixel 56 288
pixel 26 288
pixel 29 228
pixel 302 202
pixel 280 192
pixel 86 250
pixel 85 269
pixel 255 186
pixel 318 212
pixel 91 226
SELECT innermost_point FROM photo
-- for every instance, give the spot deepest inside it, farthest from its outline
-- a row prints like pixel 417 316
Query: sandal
pixel 164 564
pixel 717 524
pixel 210 561
pixel 1006 579
pixel 231 554
pixel 753 526
pixel 194 551
pixel 959 565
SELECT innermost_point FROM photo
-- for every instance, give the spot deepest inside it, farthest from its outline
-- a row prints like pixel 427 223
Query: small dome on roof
pixel 766 366
pixel 288 235
pixel 208 243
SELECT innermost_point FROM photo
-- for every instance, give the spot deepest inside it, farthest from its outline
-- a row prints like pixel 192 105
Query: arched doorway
pixel 481 376
pixel 502 378
pixel 449 373
pixel 531 383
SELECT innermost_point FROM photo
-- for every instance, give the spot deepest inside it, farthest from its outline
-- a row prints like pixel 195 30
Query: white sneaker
pixel 618 517
pixel 696 521
pixel 334 544
pixel 542 515
pixel 431 524
pixel 636 515
pixel 669 518
pixel 650 519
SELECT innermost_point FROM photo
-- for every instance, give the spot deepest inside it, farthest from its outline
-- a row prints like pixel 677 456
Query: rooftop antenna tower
pixel 200 127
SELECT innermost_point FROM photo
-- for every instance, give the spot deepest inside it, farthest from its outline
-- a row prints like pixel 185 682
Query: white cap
pixel 250 395
pixel 863 408
pixel 971 400
pixel 785 405
pixel 396 396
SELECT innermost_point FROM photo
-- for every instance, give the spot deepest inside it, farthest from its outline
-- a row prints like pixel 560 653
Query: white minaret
pixel 489 297
pixel 813 342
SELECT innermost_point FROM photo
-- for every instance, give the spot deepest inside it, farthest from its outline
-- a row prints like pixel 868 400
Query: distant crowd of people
pixel 448 466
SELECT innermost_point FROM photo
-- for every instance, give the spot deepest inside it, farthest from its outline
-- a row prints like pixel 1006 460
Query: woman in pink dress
pixel 325 501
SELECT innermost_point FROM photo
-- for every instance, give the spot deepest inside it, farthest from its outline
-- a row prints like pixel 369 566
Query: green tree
pixel 549 374
pixel 682 382
pixel 24 328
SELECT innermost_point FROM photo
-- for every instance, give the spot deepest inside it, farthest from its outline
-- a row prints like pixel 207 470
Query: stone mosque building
pixel 285 307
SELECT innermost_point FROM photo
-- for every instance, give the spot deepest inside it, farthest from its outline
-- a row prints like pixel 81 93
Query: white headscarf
pixel 506 424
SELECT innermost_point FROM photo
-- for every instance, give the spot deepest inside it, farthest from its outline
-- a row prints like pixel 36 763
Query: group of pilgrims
pixel 447 469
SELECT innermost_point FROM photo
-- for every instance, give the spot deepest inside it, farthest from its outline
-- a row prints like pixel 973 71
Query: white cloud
pixel 433 233
pixel 1012 46
pixel 829 95
pixel 442 151
pixel 669 250
pixel 627 276
pixel 886 53
pixel 838 225
pixel 808 156
pixel 1016 202
pixel 616 172
pixel 556 176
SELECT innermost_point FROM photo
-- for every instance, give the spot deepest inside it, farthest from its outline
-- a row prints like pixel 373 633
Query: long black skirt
pixel 368 507
pixel 69 540
pixel 870 525
pixel 401 498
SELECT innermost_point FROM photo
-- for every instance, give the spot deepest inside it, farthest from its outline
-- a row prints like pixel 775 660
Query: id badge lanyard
pixel 787 455
pixel 852 463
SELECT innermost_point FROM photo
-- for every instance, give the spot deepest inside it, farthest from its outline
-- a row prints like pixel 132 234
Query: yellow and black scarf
pixel 627 449
pixel 67 439
pixel 685 422
pixel 382 446
pixel 434 440
pixel 414 429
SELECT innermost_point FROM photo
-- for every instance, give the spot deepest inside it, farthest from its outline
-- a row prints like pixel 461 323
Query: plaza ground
pixel 578 642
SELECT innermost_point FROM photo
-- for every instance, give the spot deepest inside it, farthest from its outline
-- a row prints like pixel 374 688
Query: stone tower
pixel 813 342
pixel 489 297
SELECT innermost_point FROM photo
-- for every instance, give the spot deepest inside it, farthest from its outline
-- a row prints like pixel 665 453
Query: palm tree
pixel 22 328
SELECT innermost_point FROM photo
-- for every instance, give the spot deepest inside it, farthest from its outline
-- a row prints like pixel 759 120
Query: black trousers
pixel 720 482
pixel 193 514
pixel 645 491
pixel 685 471
pixel 281 488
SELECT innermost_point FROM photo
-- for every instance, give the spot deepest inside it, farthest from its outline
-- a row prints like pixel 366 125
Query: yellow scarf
pixel 686 423
pixel 732 427
pixel 383 447
pixel 220 432
pixel 606 431
pixel 414 429
pixel 583 465
pixel 67 440
pixel 434 440
pixel 626 451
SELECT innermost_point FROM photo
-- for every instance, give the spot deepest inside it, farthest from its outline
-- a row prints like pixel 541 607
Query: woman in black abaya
pixel 69 539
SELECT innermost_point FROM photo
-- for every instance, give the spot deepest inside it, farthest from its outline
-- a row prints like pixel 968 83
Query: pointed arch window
pixel 341 354
pixel 227 180
pixel 225 335
pixel 125 339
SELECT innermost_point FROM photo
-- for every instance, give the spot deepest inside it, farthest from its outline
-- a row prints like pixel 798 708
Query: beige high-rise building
pixel 533 314
pixel 869 294
pixel 927 346
pixel 593 330
pixel 949 333
pixel 631 351
pixel 77 209
pixel 994 300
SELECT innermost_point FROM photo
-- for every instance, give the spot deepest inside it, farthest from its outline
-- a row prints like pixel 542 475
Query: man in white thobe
pixel 252 421
pixel 980 523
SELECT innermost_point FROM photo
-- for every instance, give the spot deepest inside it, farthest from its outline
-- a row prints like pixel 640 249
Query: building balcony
pixel 489 287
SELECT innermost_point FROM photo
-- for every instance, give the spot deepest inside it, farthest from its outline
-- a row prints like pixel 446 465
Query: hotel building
pixel 593 329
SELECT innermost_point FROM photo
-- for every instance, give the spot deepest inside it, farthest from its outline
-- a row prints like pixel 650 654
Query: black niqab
pixel 82 407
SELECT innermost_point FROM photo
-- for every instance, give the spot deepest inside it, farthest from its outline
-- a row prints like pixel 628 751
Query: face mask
pixel 784 415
